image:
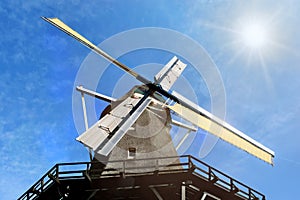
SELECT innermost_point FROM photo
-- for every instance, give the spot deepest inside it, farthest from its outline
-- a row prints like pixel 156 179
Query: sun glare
pixel 254 35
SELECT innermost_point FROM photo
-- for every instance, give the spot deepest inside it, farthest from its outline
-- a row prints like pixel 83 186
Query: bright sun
pixel 254 35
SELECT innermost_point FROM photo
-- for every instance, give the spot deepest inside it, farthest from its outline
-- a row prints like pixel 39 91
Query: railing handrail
pixel 225 175
pixel 190 163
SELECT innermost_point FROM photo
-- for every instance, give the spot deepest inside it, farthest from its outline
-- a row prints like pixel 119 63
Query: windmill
pixel 119 132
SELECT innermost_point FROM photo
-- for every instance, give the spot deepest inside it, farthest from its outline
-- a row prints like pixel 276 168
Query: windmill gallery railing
pixel 83 170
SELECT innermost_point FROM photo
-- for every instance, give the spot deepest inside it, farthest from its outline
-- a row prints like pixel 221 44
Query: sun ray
pixel 236 55
pixel 266 72
pixel 218 27
pixel 285 48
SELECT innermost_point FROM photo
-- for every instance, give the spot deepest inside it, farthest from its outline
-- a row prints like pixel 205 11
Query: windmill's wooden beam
pixel 182 125
pixel 95 94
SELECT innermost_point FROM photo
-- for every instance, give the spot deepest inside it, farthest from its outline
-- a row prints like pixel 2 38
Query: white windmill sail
pixel 208 122
pixel 103 136
pixel 65 28
pixel 170 73
pixel 127 122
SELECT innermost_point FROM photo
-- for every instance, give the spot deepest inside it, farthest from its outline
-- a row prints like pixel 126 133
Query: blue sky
pixel 39 66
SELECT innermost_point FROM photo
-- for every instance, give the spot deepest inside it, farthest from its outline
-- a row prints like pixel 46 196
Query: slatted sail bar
pixel 208 122
pixel 168 75
pixel 65 28
pixel 99 133
pixel 128 122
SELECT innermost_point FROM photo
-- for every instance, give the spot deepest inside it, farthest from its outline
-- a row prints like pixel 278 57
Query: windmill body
pixel 148 137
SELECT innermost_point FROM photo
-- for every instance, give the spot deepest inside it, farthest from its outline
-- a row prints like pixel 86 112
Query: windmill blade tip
pixel 44 18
